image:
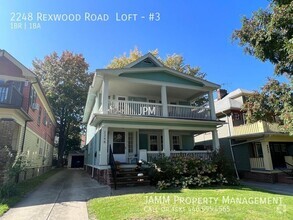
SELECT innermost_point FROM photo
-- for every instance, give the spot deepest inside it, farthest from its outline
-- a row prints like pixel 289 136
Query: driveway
pixel 62 196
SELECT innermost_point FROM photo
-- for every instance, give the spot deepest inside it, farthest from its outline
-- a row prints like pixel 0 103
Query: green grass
pixel 23 188
pixel 188 204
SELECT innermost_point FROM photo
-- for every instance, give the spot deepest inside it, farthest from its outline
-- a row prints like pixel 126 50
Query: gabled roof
pixel 9 58
pixel 148 59
pixel 146 68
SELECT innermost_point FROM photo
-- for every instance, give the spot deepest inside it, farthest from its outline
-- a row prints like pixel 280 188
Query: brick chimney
pixel 221 93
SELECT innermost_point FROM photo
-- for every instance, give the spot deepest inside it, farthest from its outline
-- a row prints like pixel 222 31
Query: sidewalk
pixel 280 188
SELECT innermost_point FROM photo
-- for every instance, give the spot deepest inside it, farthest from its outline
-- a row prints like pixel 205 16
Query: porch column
pixel 104 147
pixel 164 101
pixel 105 94
pixel 267 157
pixel 166 142
pixel 212 105
pixel 96 105
pixel 216 143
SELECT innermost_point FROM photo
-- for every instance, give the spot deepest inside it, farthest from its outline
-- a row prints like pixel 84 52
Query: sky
pixel 200 31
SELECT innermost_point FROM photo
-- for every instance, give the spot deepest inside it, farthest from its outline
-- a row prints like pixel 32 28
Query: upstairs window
pixel 45 119
pixel 33 97
pixel 40 115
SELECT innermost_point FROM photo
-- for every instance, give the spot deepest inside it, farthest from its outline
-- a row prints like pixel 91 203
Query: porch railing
pixel 257 127
pixel 182 111
pixel 9 96
pixel 156 109
pixel 257 163
pixel 153 155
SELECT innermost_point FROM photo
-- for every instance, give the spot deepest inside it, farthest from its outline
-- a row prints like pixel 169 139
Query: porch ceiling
pixel 125 88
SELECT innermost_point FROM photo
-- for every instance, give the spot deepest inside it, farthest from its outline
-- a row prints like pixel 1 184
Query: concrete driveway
pixel 62 196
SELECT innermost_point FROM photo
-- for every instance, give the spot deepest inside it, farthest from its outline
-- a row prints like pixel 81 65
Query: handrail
pixel 113 166
pixel 290 173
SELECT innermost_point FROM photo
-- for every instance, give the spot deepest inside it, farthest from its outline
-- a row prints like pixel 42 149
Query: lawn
pixel 212 203
pixel 23 188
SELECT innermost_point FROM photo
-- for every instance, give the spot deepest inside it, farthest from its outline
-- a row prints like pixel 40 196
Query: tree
pixel 65 81
pixel 174 61
pixel 267 35
pixel 273 104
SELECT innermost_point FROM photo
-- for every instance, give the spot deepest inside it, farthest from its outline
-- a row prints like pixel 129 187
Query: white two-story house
pixel 144 110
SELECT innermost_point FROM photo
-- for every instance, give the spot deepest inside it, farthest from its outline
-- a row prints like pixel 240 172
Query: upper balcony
pixel 156 110
pixel 10 97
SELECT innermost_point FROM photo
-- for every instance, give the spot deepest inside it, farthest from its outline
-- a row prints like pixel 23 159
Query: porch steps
pixel 128 176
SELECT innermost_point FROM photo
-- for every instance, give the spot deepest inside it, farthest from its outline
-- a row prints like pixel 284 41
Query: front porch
pixel 271 162
pixel 130 145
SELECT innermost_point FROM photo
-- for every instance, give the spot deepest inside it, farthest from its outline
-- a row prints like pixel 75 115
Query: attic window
pixel 148 61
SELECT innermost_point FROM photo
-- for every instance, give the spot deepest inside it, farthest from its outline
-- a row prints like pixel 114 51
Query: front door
pixel 119 151
pixel 278 152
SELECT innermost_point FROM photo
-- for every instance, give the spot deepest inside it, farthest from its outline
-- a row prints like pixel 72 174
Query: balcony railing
pixel 257 163
pixel 156 109
pixel 9 96
pixel 182 111
pixel 135 108
pixel 258 127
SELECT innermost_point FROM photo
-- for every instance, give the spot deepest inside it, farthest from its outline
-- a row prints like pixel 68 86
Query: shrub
pixel 189 172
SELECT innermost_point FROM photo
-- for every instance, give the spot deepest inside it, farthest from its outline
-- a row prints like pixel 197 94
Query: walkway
pixel 280 188
pixel 63 196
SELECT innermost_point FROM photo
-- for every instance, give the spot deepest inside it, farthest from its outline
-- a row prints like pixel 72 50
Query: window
pixel 33 97
pixel 45 119
pixel 256 150
pixel 39 116
pixel 236 116
pixel 118 142
pixel 152 101
pixel 176 142
pixel 153 142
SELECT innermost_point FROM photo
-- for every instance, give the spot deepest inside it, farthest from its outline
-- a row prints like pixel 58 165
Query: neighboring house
pixel 262 152
pixel 142 111
pixel 27 124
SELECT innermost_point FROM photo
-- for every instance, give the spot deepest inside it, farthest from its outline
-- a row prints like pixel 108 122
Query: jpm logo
pixel 147 111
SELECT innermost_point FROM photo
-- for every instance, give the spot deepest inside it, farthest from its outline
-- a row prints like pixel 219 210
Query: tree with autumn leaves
pixel 268 35
pixel 65 80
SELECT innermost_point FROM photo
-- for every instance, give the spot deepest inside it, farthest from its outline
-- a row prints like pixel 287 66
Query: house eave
pixel 98 118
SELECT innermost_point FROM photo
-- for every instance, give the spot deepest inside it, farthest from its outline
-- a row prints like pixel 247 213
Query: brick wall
pixel 46 131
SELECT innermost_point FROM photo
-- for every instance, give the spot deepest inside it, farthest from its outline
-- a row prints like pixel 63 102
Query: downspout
pixel 231 149
pixel 26 121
